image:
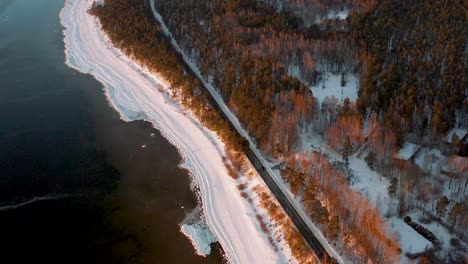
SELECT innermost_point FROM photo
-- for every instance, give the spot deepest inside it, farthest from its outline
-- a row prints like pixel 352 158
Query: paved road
pixel 266 175
pixel 310 238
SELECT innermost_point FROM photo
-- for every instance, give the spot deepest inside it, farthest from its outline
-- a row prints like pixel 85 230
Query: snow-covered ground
pixel 440 232
pixel 340 15
pixel 370 183
pixel 330 86
pixel 430 161
pixel 333 14
pixel 375 188
pixel 410 240
pixel 138 94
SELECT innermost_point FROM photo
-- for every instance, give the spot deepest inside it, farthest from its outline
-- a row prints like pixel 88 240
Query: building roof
pixel 461 133
pixel 408 151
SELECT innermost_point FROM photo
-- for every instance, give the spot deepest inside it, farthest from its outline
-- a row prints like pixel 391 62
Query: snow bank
pixel 137 94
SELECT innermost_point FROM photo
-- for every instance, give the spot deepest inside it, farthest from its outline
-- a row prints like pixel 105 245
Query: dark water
pixel 59 137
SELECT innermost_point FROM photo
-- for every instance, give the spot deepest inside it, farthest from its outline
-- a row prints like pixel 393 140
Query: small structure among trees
pixel 408 152
pixel 456 135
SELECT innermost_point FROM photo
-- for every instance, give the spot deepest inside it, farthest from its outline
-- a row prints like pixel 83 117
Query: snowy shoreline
pixel 138 94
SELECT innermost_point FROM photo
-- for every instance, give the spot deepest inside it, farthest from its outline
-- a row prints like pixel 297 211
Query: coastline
pixel 138 94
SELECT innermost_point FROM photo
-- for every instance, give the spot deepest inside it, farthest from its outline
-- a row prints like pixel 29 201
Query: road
pixel 310 238
pixel 311 234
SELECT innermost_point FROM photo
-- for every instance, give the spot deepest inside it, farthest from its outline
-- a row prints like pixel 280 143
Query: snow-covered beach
pixel 138 94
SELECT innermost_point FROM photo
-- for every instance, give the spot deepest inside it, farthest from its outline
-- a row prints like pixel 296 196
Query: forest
pixel 414 61
pixel 249 50
pixel 263 57
pixel 146 44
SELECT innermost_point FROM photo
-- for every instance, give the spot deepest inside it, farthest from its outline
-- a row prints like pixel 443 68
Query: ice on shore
pixel 138 94
pixel 200 236
pixel 197 231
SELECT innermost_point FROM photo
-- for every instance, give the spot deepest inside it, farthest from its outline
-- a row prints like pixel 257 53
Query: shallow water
pixel 115 200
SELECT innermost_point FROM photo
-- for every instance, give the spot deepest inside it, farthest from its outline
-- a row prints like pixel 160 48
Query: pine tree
pixel 346 108
pixel 455 139
pixel 393 186
pixel 457 210
pixel 315 210
pixel 333 228
pixel 442 206
pixel 346 149
pixel 455 143
pixel 438 123
pixel 370 159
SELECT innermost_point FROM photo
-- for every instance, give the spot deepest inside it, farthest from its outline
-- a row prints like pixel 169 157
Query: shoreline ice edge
pixel 132 91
